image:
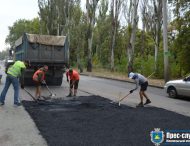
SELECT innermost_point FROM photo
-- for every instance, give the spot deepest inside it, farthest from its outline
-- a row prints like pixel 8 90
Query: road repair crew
pixel 73 76
pixel 13 73
pixel 39 78
pixel 143 82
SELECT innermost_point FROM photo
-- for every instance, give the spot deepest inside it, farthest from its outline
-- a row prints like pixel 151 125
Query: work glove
pixel 22 86
pixel 131 91
pixel 43 82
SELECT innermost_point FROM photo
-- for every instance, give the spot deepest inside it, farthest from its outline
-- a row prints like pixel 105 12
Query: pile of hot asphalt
pixel 94 121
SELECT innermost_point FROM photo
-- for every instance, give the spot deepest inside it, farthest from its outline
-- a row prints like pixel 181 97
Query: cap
pixel 27 62
pixel 45 68
pixel 131 75
pixel 70 70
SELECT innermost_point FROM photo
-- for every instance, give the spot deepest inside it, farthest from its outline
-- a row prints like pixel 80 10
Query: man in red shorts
pixel 73 76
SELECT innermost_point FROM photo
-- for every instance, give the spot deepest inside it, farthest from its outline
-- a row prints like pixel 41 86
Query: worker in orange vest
pixel 74 78
pixel 39 78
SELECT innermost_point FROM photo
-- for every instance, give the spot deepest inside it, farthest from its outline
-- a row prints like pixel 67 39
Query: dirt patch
pixel 94 121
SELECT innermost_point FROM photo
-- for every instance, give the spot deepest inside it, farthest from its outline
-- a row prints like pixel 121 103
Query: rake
pixel 119 101
pixel 31 95
pixel 51 94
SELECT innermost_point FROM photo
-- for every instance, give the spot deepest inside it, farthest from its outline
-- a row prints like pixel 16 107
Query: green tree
pixel 3 54
pixel 102 35
pixel 181 32
pixel 21 26
pixel 182 48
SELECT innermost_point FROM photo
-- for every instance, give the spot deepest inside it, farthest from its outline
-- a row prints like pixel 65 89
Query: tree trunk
pixel 113 31
pixel 133 36
pixel 165 40
pixel 156 45
pixel 158 17
pixel 91 9
pixel 115 9
pixel 89 63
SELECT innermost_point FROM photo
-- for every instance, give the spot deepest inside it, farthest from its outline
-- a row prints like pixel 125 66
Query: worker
pixel 39 78
pixel 13 73
pixel 74 78
pixel 143 82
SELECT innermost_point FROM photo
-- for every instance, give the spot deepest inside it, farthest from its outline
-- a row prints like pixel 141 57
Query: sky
pixel 13 10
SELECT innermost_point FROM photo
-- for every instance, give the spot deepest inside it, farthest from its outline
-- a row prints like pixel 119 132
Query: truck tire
pixel 58 81
pixel 28 82
pixel 54 81
pixel 28 77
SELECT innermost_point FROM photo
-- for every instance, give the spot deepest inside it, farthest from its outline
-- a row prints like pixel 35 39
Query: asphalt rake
pixel 35 100
pixel 30 95
pixel 51 94
pixel 120 99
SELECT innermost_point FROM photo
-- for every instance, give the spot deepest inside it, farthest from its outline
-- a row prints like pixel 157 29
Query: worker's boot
pixel 140 104
pixel 75 92
pixel 2 103
pixel 39 98
pixel 70 94
pixel 147 101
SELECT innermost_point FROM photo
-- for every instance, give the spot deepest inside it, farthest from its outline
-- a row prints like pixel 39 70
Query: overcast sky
pixel 12 10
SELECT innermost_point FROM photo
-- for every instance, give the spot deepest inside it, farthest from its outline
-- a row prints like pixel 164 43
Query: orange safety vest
pixel 39 75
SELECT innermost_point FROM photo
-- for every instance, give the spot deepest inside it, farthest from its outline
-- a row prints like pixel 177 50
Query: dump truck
pixel 41 50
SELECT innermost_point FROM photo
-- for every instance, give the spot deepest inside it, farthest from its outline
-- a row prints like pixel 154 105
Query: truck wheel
pixel 55 81
pixel 58 81
pixel 28 82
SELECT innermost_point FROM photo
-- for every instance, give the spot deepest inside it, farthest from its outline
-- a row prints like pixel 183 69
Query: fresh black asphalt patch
pixel 94 121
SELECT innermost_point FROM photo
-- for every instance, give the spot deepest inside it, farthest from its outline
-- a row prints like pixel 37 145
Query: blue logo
pixel 157 136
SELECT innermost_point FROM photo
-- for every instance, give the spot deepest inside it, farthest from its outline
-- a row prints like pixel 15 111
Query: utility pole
pixel 165 41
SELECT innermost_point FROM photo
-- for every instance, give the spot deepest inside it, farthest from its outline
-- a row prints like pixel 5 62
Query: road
pixel 92 120
pixel 112 89
pixel 94 115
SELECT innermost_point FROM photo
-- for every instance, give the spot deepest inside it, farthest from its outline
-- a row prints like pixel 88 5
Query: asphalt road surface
pixel 113 89
pixel 91 120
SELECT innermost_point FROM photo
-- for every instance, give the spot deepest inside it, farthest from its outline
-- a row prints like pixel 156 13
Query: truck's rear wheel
pixel 57 81
pixel 28 82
